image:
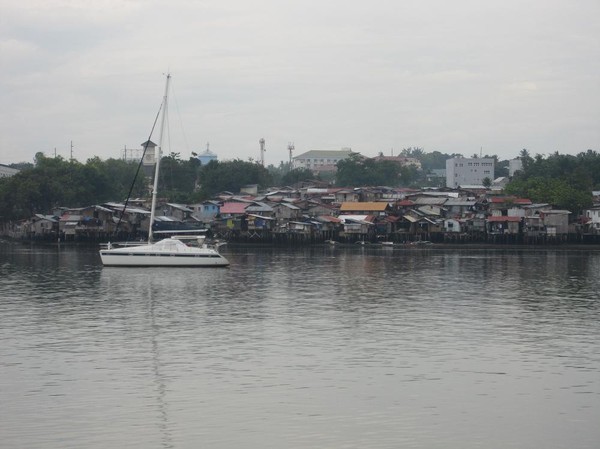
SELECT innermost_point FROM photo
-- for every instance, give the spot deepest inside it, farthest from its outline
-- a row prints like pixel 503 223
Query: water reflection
pixel 315 347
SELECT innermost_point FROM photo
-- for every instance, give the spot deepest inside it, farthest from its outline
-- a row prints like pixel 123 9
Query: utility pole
pixel 71 160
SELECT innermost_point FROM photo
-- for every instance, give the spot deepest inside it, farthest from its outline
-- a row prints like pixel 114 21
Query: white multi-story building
pixel 462 171
pixel 514 165
pixel 6 171
pixel 321 160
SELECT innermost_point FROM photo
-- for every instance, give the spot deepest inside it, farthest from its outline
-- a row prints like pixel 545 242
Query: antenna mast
pixel 262 151
pixel 291 148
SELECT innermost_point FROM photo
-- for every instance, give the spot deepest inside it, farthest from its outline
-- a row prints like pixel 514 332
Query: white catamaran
pixel 170 251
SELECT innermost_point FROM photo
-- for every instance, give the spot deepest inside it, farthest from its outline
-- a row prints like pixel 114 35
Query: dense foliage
pixel 297 175
pixel 564 181
pixel 357 170
pixel 54 182
pixel 230 176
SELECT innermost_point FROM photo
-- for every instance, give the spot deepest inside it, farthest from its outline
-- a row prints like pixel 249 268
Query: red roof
pixel 523 201
pixel 502 219
pixel 234 207
pixel 405 203
pixel 510 199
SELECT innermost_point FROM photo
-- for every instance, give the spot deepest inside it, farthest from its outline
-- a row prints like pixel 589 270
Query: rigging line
pixel 137 172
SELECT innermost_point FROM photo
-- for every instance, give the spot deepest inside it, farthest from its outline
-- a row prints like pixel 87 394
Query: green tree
pixel 297 175
pixel 54 182
pixel 178 178
pixel 359 171
pixel 216 176
pixel 556 192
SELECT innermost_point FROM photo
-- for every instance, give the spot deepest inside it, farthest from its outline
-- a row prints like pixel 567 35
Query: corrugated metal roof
pixel 329 219
pixel 464 203
pixel 290 206
pixel 428 201
pixel 355 218
pixel 259 207
pixel 68 217
pixel 502 219
pixel 181 207
pixel 367 206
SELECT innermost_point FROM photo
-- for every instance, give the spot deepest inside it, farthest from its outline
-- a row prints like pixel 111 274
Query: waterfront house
pixel 232 209
pixel 507 205
pixel 432 211
pixel 365 208
pixel 178 212
pixel 504 225
pixel 535 208
pixel 593 219
pixel 556 221
pixel 404 206
pixel 355 226
pixel 330 227
pixel 260 223
pixel 459 207
pixel 206 211
pixel 429 200
pixel 44 227
pixel 260 208
pixel 300 227
pixel 453 225
pixel 133 219
pixel 347 195
pixel 286 211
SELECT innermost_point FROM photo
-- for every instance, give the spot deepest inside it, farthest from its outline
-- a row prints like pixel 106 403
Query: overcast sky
pixel 456 77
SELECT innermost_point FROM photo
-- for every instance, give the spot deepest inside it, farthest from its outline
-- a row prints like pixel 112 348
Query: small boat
pixel 387 243
pixel 421 243
pixel 169 252
pixel 331 242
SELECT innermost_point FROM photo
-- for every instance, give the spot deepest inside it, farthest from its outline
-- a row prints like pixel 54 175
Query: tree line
pixel 562 180
pixel 565 181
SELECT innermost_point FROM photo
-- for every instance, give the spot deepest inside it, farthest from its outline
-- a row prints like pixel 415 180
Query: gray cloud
pixel 453 77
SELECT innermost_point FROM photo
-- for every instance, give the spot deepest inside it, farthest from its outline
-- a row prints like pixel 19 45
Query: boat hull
pixel 161 260
pixel 166 253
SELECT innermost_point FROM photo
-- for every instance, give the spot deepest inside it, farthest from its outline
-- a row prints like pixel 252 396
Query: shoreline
pixel 396 246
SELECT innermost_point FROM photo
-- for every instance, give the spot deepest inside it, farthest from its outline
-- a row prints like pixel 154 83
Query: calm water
pixel 314 348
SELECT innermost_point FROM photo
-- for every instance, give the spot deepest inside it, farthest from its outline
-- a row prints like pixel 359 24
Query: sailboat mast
pixel 158 157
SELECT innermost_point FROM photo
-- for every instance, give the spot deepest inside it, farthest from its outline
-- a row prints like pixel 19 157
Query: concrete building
pixel 149 159
pixel 6 171
pixel 514 165
pixel 403 161
pixel 321 160
pixel 463 171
